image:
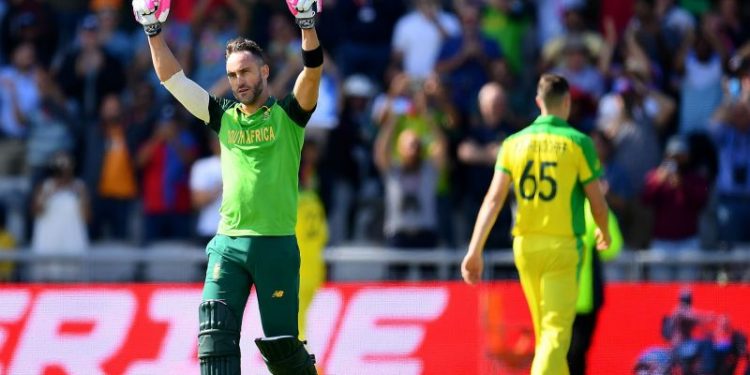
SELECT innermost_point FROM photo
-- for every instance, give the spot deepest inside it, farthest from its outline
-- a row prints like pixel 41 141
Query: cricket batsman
pixel 261 140
pixel 553 168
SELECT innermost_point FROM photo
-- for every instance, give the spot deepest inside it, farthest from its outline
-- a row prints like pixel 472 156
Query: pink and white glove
pixel 151 14
pixel 304 11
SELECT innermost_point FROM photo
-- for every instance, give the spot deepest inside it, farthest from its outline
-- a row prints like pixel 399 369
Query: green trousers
pixel 271 264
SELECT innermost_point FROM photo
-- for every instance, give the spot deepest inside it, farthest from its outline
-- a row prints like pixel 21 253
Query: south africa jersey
pixel 260 156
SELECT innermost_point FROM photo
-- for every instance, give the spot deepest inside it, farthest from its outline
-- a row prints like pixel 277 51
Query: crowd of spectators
pixel 416 99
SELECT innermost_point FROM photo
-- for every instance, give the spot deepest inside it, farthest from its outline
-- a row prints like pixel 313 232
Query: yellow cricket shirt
pixel 549 163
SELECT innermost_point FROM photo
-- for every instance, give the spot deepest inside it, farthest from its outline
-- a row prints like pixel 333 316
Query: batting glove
pixel 151 14
pixel 304 11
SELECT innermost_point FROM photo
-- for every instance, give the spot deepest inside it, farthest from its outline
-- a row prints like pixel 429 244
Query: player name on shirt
pixel 543 146
pixel 251 136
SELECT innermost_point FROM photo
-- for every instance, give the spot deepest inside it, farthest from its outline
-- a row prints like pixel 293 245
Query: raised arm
pixel 165 63
pixel 308 82
pixel 168 69
pixel 384 145
pixel 439 149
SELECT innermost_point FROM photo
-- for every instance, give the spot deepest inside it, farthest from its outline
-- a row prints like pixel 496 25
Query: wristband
pixel 306 23
pixel 313 58
pixel 153 29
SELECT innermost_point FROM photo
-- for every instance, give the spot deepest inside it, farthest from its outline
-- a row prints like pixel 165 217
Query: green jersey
pixel 260 156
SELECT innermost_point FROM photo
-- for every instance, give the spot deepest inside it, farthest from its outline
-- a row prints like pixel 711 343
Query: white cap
pixel 359 85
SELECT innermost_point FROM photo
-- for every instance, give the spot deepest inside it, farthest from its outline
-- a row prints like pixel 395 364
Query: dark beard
pixel 256 91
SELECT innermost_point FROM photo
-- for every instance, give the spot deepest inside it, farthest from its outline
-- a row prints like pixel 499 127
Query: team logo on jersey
pixel 217 271
pixel 277 294
pixel 251 136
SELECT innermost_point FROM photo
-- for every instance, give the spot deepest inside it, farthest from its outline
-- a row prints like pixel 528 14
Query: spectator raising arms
pixel 410 184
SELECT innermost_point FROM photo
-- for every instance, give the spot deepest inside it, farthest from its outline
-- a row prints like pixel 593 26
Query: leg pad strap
pixel 286 355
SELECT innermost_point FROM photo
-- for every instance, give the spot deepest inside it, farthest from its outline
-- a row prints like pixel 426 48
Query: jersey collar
pixel 550 120
pixel 269 102
pixel 262 109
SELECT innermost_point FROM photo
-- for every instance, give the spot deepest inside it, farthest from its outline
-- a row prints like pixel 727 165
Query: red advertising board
pixel 631 318
pixel 427 328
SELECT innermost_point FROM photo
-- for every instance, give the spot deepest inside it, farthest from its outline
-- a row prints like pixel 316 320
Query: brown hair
pixel 552 89
pixel 240 44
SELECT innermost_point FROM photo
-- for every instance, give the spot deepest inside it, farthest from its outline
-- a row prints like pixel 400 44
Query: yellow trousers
pixel 312 273
pixel 548 267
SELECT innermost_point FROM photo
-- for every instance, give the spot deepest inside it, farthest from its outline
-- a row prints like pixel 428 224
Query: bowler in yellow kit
pixel 553 168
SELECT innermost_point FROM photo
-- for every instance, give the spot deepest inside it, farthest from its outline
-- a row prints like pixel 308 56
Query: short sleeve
pixel 589 168
pixel 503 159
pixel 291 106
pixel 216 108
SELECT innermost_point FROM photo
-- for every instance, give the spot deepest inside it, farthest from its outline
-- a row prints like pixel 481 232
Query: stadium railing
pixel 178 261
